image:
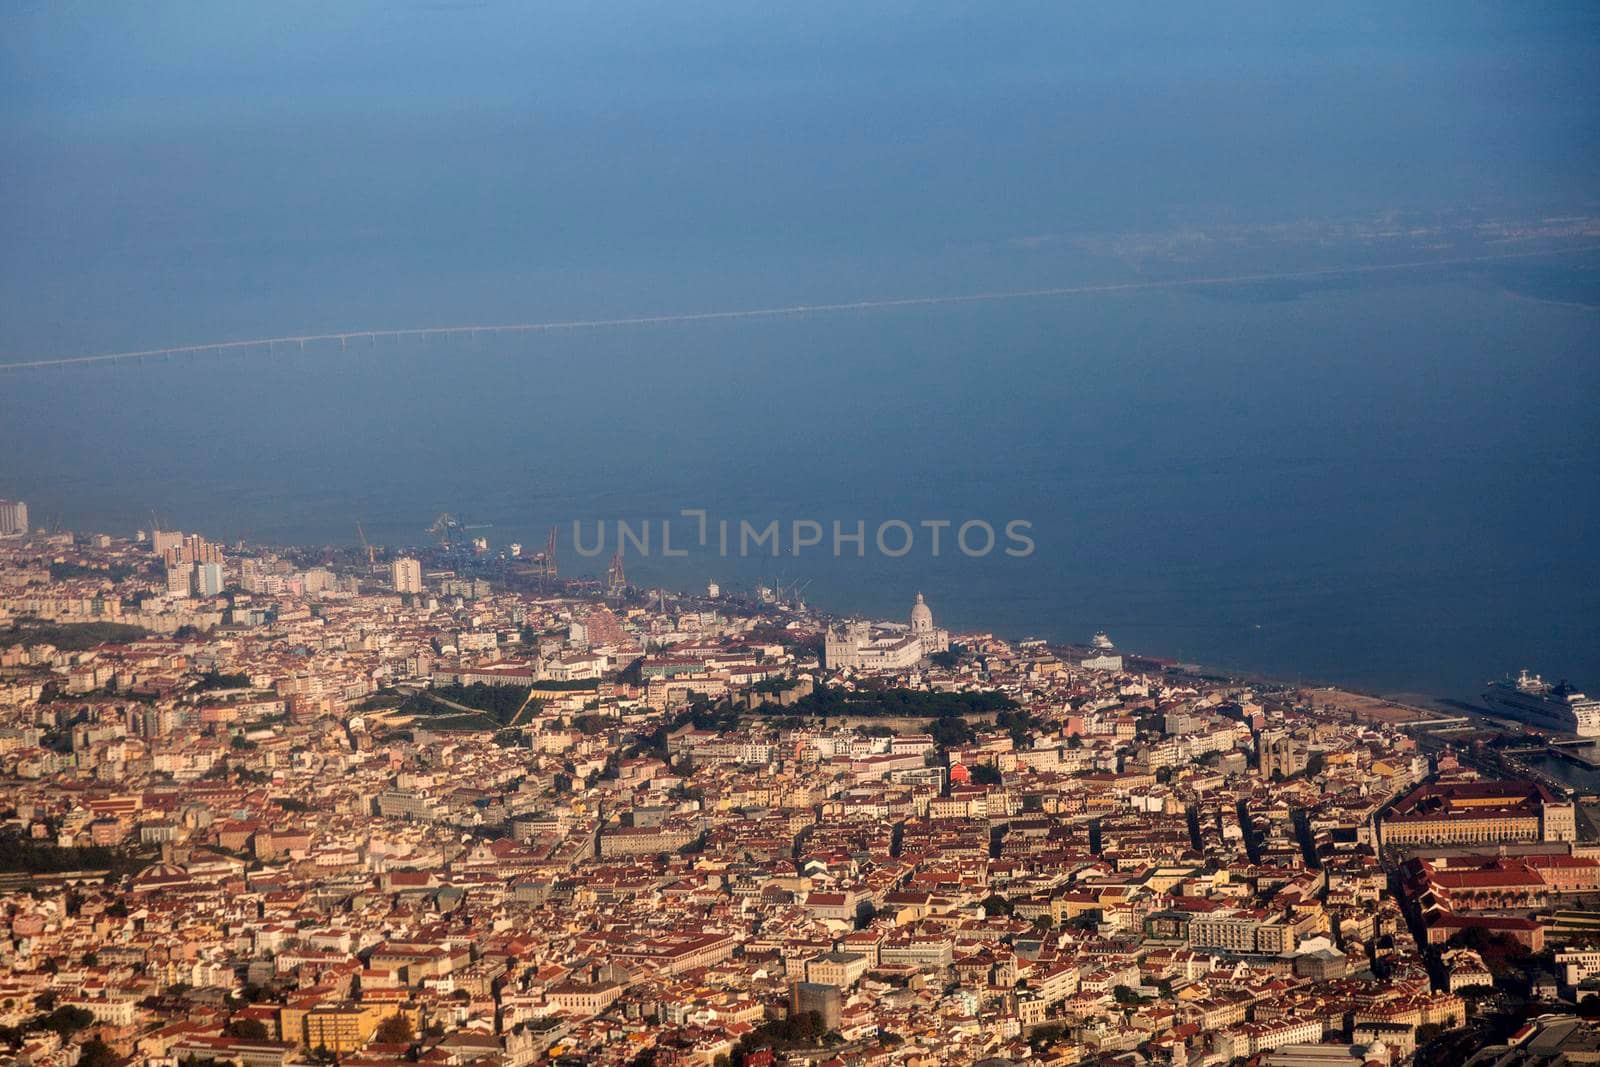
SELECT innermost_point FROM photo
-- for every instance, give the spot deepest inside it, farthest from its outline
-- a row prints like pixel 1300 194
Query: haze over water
pixel 1387 481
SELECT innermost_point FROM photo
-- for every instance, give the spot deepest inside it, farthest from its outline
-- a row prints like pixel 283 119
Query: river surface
pixel 1382 480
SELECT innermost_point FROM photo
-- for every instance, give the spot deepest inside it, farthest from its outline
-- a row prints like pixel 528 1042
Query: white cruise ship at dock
pixel 1529 698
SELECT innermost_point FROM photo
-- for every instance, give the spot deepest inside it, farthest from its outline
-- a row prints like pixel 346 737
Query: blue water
pixel 1582 777
pixel 1389 482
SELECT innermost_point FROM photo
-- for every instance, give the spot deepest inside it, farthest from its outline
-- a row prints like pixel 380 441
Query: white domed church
pixel 888 647
pixel 922 628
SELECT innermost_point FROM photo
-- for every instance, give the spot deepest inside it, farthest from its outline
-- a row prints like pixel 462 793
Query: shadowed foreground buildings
pixel 1552 1041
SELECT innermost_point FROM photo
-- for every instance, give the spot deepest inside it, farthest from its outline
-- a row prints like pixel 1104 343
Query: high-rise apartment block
pixel 13 518
pixel 208 579
pixel 191 550
pixel 164 541
pixel 180 580
pixel 406 575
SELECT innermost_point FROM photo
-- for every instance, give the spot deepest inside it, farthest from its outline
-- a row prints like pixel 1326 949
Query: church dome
pixel 921 616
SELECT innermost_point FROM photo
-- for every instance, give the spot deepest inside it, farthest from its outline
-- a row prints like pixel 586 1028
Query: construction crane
pixel 446 526
pixel 783 594
pixel 545 562
pixel 616 577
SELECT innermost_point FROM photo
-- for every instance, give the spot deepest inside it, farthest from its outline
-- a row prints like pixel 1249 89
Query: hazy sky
pixel 648 145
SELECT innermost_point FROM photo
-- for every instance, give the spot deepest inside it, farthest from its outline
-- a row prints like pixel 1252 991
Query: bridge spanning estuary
pixel 369 338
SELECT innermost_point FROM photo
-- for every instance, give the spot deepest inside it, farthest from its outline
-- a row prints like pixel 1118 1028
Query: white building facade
pixel 861 646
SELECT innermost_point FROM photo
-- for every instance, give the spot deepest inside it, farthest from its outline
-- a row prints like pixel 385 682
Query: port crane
pixel 545 562
pixel 782 594
pixel 447 526
pixel 616 576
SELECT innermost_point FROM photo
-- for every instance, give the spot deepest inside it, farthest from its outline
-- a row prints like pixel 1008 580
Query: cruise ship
pixel 1530 699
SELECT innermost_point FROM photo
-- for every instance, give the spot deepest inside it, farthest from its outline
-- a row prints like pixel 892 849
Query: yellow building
pixel 342 1026
pixel 1469 813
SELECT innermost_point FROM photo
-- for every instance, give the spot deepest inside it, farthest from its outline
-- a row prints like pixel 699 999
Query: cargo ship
pixel 1529 698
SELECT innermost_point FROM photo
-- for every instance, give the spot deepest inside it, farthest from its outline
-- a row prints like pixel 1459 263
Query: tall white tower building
pixel 208 579
pixel 406 575
pixel 13 518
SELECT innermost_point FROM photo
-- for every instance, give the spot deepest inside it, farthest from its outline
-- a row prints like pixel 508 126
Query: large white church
pixel 886 647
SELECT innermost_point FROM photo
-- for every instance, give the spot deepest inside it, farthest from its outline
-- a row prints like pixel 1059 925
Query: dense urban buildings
pixel 289 806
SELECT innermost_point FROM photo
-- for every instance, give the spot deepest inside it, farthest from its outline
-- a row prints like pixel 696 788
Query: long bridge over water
pixel 370 337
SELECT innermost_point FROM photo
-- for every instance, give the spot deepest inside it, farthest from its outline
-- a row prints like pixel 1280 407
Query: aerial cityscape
pixel 280 805
pixel 708 534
